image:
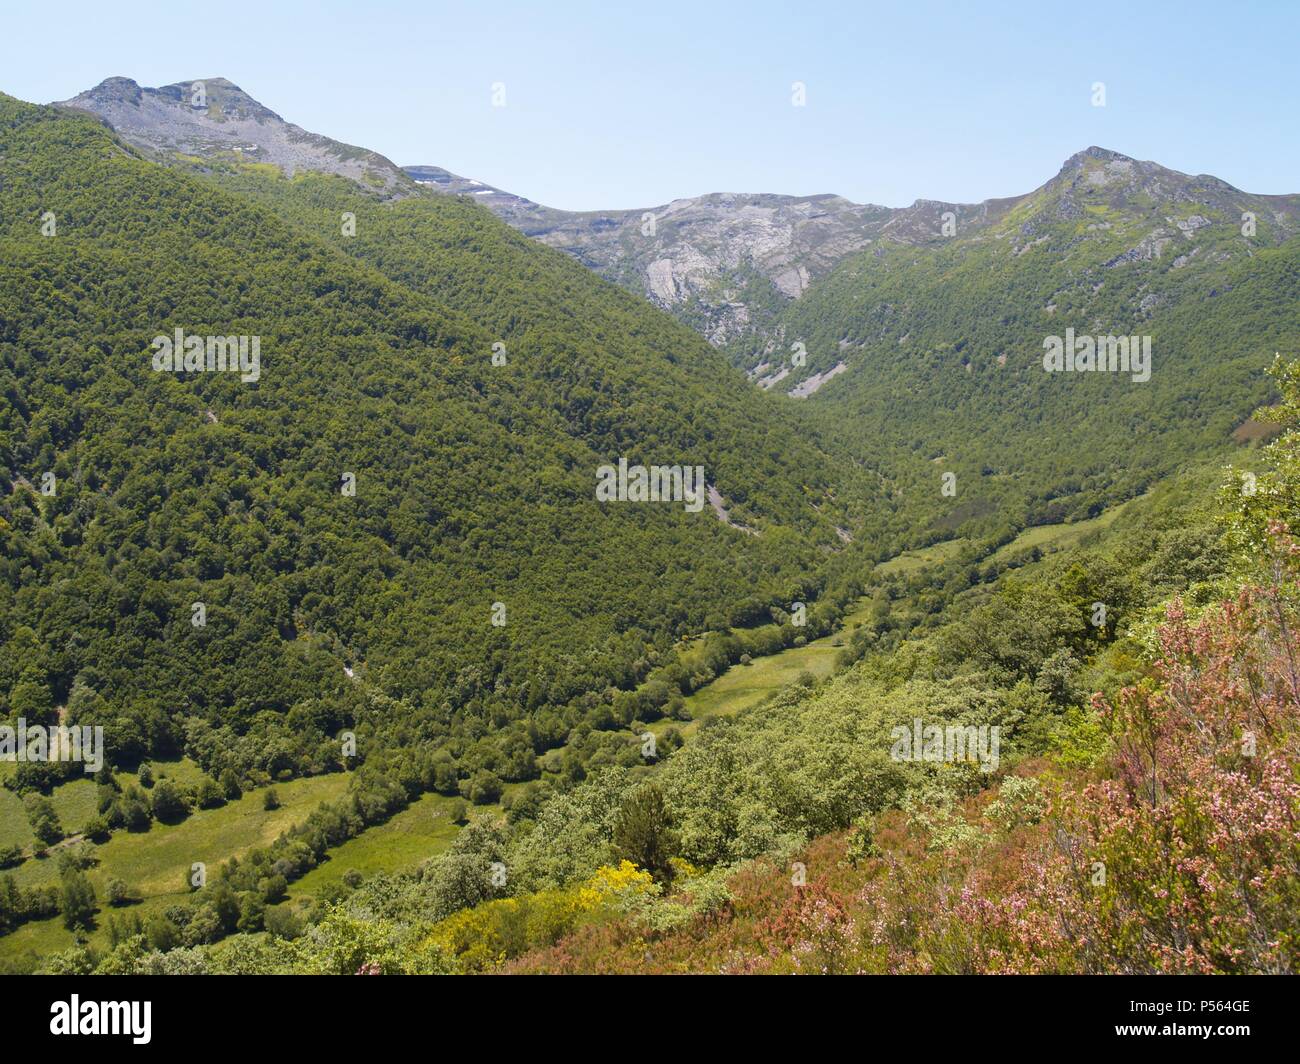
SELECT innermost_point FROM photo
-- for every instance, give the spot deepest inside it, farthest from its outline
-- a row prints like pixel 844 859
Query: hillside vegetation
pixel 386 687
pixel 474 483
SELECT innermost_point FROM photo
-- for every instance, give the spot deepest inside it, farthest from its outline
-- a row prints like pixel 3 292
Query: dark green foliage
pixel 97 829
pixel 132 810
pixel 484 787
pixel 209 794
pixel 43 819
pixel 475 483
pixel 77 901
pixel 18 905
pixel 643 832
pixel 168 803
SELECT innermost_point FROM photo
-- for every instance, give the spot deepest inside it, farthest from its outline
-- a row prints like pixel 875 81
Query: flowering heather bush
pixel 826 934
pixel 1185 859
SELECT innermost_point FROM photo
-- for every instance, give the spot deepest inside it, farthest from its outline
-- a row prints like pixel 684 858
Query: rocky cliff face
pixel 724 261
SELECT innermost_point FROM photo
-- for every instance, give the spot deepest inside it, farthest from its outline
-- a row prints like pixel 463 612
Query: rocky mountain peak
pixel 1121 175
pixel 214 120
pixel 1080 159
pixel 220 94
pixel 116 89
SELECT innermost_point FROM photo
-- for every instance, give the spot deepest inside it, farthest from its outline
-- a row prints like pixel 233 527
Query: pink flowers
pixel 1187 860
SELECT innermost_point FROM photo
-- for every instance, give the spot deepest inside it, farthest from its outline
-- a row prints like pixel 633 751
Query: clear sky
pixel 613 104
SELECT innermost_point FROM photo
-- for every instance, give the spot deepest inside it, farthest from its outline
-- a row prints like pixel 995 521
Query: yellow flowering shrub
pixel 485 936
pixel 611 884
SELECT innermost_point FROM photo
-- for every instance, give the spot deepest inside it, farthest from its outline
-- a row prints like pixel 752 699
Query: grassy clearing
pixel 156 863
pixel 1050 538
pixel 14 830
pixel 742 686
pixel 911 560
pixel 74 802
pixel 416 833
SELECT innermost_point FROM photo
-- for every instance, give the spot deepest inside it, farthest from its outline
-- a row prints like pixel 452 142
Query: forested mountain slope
pixel 1149 828
pixel 794 837
pixel 474 482
pixel 934 355
pixel 915 336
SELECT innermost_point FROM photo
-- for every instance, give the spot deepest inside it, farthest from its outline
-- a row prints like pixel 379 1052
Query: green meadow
pixel 743 686
pixel 156 863
pixel 912 560
pixel 421 830
pixel 1050 538
pixel 74 802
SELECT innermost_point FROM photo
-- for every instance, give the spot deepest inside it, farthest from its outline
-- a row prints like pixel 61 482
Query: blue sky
pixel 627 105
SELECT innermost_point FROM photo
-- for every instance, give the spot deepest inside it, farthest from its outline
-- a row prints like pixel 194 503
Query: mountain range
pixel 884 315
pixel 728 264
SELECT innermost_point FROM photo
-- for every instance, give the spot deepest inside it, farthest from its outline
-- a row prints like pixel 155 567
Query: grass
pixel 416 833
pixel 74 803
pixel 155 863
pixel 911 560
pixel 743 686
pixel 1049 538
pixel 14 830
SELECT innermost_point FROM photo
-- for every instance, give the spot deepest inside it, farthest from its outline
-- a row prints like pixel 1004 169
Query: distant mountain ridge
pixel 722 262
pixel 733 266
pixel 730 263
